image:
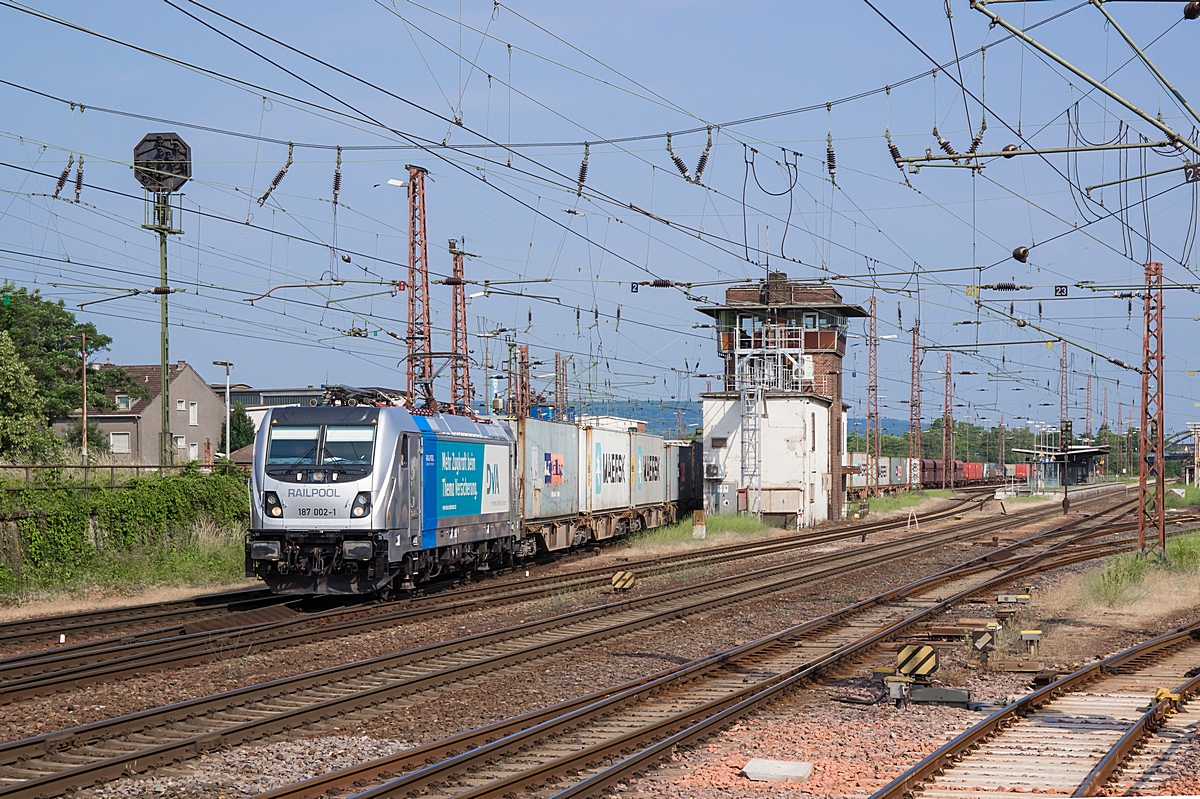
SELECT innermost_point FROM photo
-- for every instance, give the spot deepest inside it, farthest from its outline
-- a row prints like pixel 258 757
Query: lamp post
pixel 228 431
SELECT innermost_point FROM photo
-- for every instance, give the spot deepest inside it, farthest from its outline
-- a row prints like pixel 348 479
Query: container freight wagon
pixel 549 482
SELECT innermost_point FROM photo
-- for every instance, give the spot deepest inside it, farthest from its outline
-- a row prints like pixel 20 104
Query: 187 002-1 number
pixel 316 511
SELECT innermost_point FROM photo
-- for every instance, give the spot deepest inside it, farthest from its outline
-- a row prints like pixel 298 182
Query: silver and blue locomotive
pixel 367 500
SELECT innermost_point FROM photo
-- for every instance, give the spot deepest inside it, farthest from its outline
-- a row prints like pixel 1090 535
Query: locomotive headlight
pixel 362 504
pixel 271 504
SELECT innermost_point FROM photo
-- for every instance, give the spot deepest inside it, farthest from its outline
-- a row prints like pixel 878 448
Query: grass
pixel 680 533
pixel 907 499
pixel 1191 496
pixel 205 555
pixel 1124 578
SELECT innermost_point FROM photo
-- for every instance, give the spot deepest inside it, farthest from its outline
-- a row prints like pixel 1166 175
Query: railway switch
pixel 898 688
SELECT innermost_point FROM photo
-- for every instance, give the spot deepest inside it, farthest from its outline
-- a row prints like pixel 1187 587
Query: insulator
pixel 895 151
pixel 830 158
pixel 945 145
pixel 975 142
pixel 682 167
pixel 661 283
pixel 1005 287
pixel 1039 311
pixel 583 167
pixel 66 173
pixel 1191 10
pixel 79 179
pixel 1009 150
pixel 1011 307
pixel 703 162
pixel 337 176
pixel 278 176
pixel 345 257
pixel 1021 254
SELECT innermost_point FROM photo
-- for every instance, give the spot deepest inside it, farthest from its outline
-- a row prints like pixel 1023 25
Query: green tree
pixel 97 439
pixel 243 428
pixel 23 434
pixel 41 331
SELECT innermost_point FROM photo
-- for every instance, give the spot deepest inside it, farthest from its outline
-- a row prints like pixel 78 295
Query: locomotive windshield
pixel 345 444
pixel 293 446
pixel 328 445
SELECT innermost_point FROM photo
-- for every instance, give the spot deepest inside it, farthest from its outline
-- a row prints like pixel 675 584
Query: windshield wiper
pixel 310 451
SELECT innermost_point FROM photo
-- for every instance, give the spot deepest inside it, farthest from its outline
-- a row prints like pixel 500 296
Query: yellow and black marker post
pixel 917 661
pixel 622 581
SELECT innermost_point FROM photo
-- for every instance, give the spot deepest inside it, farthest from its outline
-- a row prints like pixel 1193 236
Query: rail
pixel 945 757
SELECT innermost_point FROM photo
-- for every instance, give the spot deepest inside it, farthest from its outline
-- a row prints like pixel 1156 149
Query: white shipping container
pixel 608 469
pixel 647 455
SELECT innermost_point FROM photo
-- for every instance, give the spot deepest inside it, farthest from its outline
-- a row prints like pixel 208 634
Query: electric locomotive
pixel 366 500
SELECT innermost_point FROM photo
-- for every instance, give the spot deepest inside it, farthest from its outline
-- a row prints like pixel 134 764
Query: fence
pixel 85 477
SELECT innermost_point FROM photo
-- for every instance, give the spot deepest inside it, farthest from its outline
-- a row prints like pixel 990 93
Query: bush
pixel 152 531
pixel 1121 578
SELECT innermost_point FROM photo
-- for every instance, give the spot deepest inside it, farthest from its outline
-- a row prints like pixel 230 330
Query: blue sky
pixel 596 73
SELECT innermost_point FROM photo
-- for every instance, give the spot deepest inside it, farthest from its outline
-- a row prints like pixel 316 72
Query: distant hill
pixel 659 415
pixel 891 427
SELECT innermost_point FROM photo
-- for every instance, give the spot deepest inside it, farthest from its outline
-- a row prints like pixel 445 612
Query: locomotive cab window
pixel 348 445
pixel 291 446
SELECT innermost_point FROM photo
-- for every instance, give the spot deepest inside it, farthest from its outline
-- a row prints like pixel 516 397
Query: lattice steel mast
pixel 914 411
pixel 1151 508
pixel 420 345
pixel 872 401
pixel 461 394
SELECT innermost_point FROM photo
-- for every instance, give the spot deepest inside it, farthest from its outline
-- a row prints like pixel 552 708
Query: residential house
pixel 131 431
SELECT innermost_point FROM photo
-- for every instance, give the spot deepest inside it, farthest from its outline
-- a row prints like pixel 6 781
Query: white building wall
pixel 795 456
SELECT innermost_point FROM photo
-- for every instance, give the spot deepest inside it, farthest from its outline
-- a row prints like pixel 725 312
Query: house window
pixel 119 443
pixel 180 442
pixel 810 321
pixel 123 404
pixel 180 405
pixel 719 443
pixel 193 451
pixel 193 413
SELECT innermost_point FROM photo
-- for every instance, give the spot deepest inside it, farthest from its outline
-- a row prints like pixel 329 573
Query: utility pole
pixel 460 363
pixel 1087 419
pixel 947 428
pixel 1152 511
pixel 82 339
pixel 914 411
pixel 1000 457
pixel 560 388
pixel 523 403
pixel 511 370
pixel 1195 428
pixel 162 163
pixel 872 401
pixel 420 334
pixel 1063 392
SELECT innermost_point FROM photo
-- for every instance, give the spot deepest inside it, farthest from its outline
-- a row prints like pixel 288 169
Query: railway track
pixel 164 616
pixel 1072 737
pixel 182 616
pixel 51 764
pixel 596 741
pixel 39 673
